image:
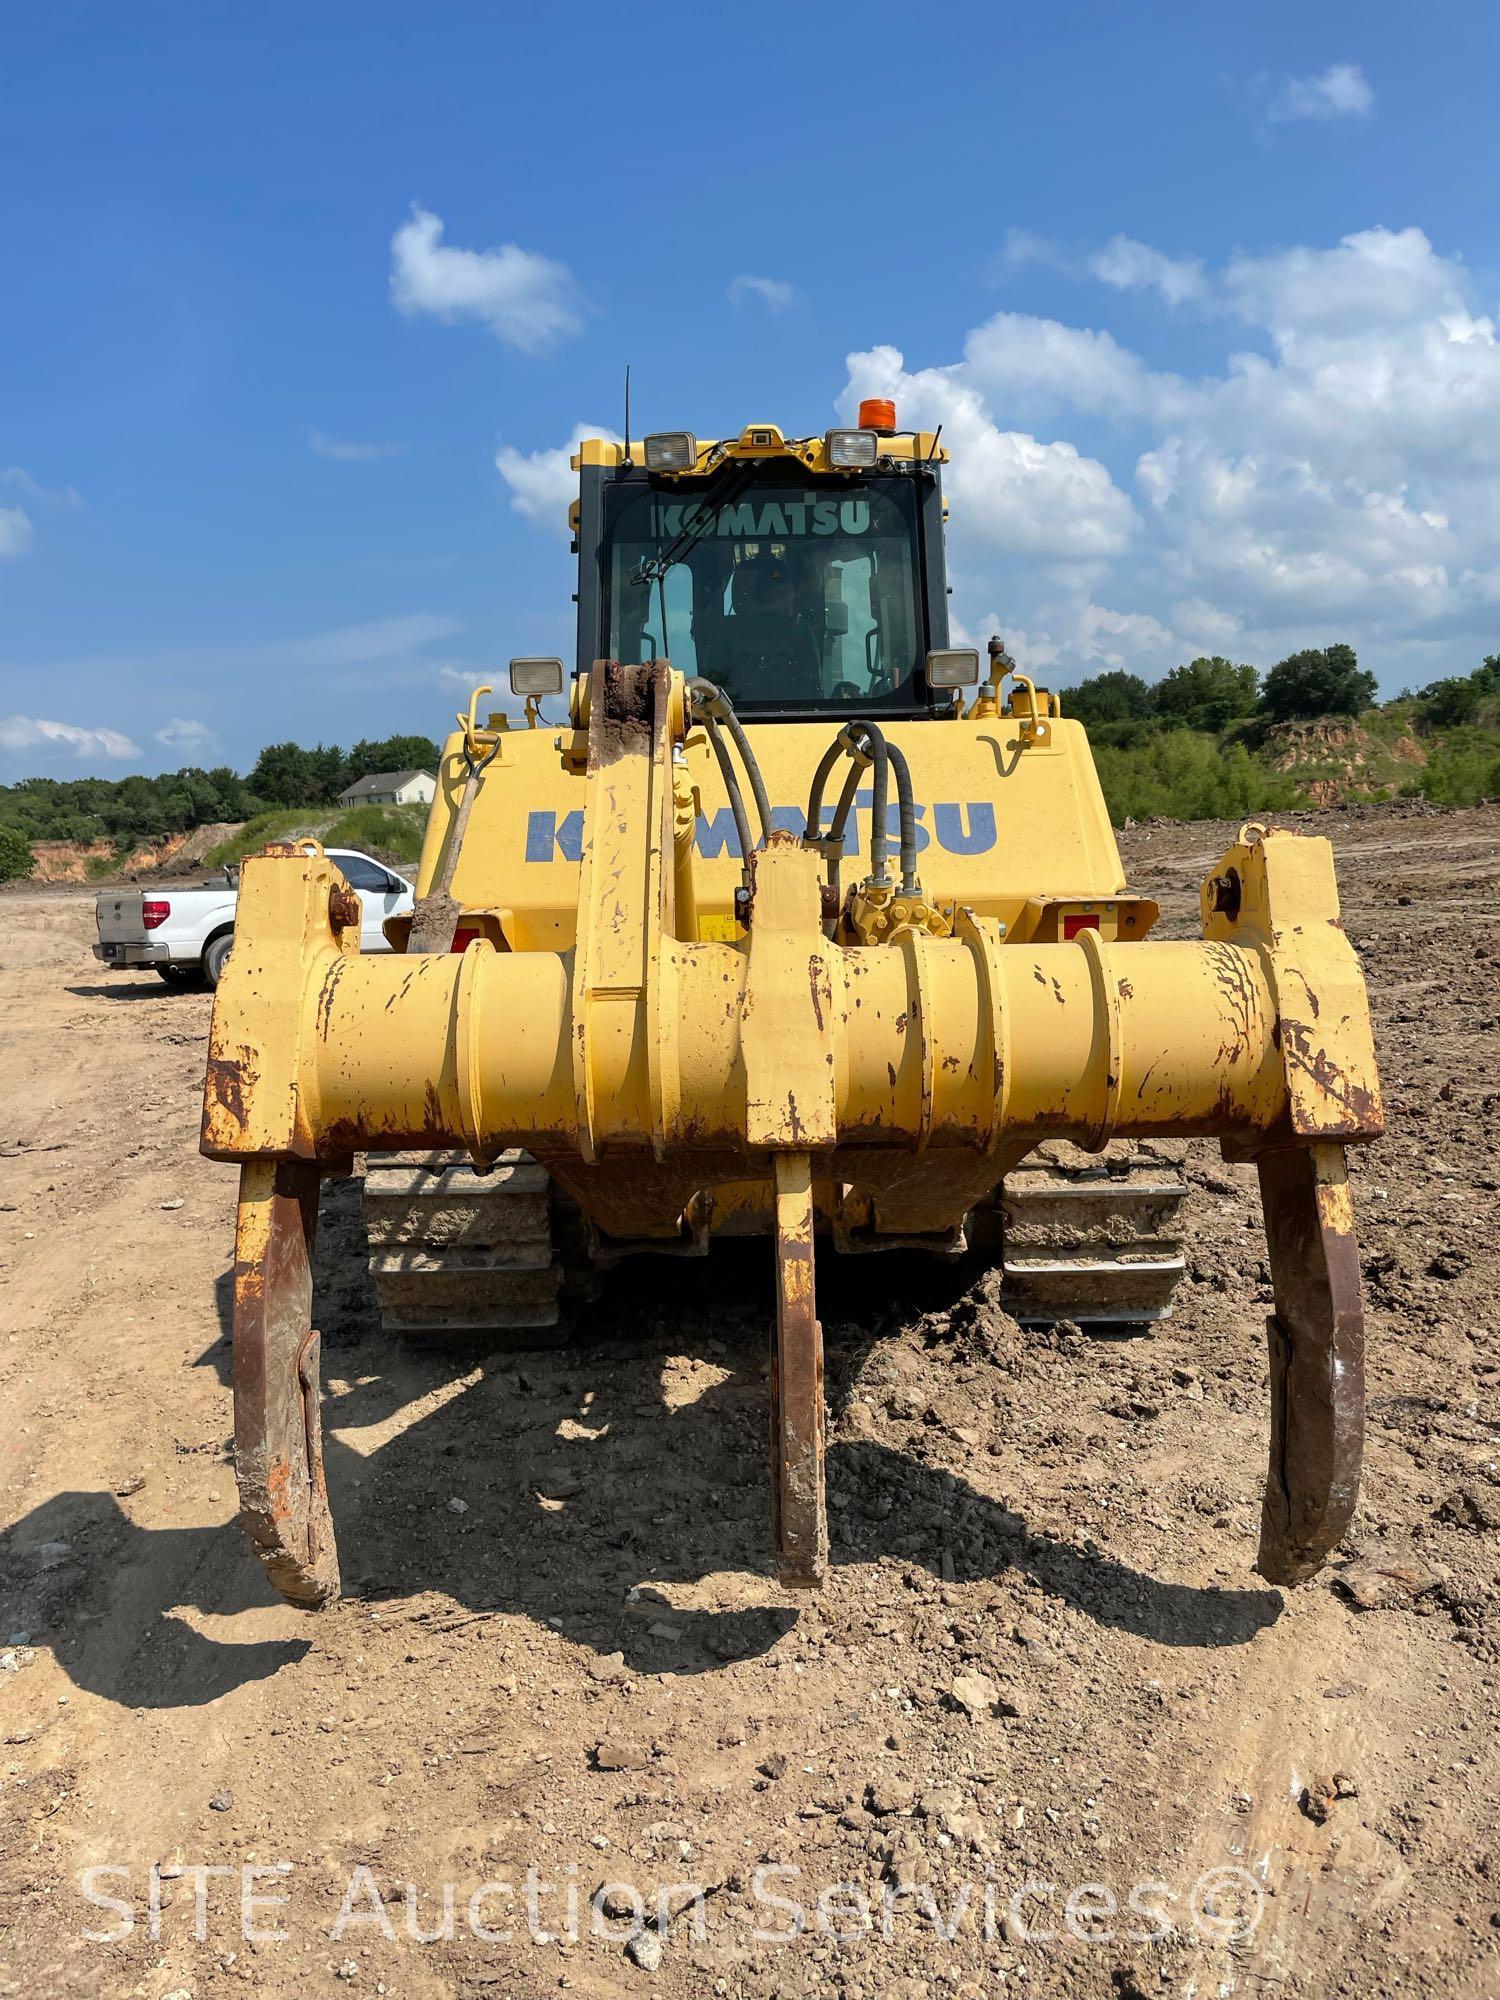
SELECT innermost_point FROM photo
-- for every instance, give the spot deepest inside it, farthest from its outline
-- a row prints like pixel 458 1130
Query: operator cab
pixel 802 576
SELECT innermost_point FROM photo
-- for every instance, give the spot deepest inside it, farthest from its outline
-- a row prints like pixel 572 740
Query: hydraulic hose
pixel 865 743
pixel 752 768
pixel 879 830
pixel 732 788
pixel 812 830
pixel 907 816
pixel 833 843
pixel 713 704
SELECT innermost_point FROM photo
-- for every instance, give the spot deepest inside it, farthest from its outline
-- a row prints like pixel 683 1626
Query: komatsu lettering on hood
pixel 776 520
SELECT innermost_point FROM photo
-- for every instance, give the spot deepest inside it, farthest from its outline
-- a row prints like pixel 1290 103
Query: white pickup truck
pixel 185 934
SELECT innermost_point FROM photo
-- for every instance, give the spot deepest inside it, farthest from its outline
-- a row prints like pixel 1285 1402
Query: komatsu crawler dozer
pixel 799 927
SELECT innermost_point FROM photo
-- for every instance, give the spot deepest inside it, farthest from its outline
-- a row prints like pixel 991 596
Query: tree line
pixel 127 810
pixel 1212 694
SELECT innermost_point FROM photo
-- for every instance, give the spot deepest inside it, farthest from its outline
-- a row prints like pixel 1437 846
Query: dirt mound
pixel 68 860
pixel 183 853
pixel 1334 759
pixel 164 854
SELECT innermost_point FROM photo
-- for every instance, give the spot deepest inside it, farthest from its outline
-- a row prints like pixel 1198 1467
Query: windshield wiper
pixel 652 569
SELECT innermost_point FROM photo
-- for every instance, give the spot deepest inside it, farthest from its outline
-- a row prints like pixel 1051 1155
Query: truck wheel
pixel 214 954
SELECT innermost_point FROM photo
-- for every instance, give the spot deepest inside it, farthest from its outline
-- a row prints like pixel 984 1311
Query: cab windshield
pixel 789 595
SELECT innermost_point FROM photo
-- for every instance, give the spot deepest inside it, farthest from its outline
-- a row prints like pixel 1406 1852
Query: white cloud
pixel 346 452
pixel 775 293
pixel 16 533
pixel 525 299
pixel 29 732
pixel 1338 477
pixel 1133 267
pixel 1024 246
pixel 18 477
pixel 1010 489
pixel 1124 263
pixel 543 484
pixel 186 737
pixel 1340 91
pixel 1035 367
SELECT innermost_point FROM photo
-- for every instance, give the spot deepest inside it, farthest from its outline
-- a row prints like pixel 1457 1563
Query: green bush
pixel 1122 735
pixel 1184 775
pixel 1461 771
pixel 16 857
pixel 1447 704
pixel 254 834
pixel 1450 703
pixel 395 832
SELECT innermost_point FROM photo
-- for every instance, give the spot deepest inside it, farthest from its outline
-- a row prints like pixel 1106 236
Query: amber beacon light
pixel 877 413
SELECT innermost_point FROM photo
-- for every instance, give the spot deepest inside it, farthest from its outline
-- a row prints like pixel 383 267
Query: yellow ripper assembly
pixel 644 1064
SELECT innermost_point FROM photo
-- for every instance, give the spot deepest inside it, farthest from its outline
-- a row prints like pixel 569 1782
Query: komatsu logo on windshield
pixel 783 518
pixel 954 828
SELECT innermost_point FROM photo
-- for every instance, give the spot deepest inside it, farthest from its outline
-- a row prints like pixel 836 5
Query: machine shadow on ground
pixel 138 989
pixel 580 1482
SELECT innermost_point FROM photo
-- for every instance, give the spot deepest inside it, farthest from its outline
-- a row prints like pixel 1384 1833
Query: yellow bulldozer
pixel 804 924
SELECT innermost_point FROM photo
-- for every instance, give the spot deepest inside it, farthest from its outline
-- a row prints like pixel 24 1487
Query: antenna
pixel 932 448
pixel 627 459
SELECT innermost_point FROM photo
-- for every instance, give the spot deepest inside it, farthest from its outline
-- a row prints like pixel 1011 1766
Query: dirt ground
pixel 1044 1706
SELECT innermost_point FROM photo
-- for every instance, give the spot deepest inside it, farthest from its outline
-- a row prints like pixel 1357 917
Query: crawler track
pixel 1091 1240
pixel 455 1252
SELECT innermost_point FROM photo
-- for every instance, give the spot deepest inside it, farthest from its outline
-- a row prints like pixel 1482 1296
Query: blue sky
pixel 1203 297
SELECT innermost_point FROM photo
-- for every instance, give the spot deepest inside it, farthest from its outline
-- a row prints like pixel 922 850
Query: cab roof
pixel 763 441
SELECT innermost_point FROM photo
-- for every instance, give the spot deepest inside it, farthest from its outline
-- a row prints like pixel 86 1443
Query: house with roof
pixel 391 788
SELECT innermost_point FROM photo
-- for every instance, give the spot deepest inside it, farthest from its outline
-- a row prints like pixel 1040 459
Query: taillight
pixel 464 936
pixel 154 913
pixel 1080 922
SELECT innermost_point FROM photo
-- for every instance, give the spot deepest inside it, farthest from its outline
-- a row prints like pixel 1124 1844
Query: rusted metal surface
pixel 344 907
pixel 790 997
pixel 1317 1350
pixel 278 1438
pixel 676 1083
pixel 624 892
pixel 799 1515
pixel 1279 889
pixel 436 915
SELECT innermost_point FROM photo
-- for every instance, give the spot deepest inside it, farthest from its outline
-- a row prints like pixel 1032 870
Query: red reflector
pixel 1073 925
pixel 463 937
pixel 153 914
pixel 877 413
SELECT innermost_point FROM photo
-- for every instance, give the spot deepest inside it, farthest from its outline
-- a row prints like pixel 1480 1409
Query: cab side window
pixel 362 874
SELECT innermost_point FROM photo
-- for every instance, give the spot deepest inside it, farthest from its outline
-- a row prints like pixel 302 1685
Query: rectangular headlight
pixel 536 676
pixel 954 668
pixel 671 451
pixel 851 448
